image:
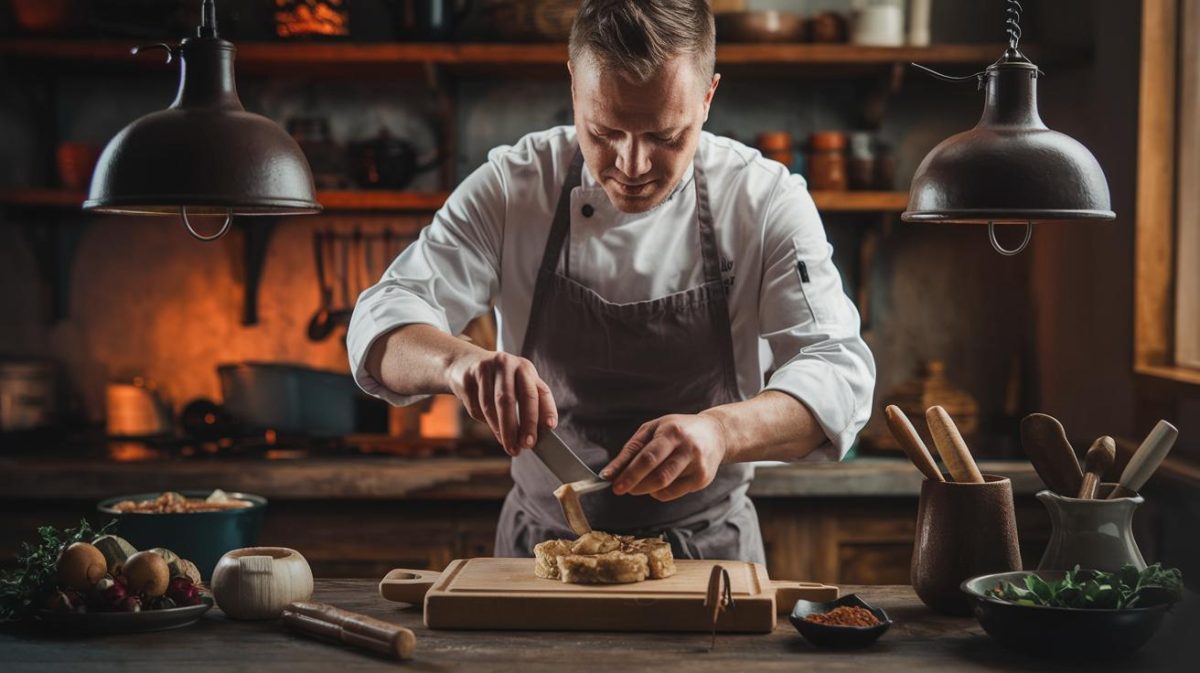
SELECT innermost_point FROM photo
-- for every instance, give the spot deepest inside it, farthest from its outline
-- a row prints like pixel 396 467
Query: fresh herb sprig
pixel 1126 588
pixel 25 589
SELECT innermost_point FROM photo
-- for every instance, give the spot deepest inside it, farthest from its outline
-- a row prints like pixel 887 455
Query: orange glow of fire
pixel 442 419
pixel 311 17
pixel 130 452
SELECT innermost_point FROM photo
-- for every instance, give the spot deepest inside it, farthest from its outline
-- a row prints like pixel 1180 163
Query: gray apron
pixel 613 367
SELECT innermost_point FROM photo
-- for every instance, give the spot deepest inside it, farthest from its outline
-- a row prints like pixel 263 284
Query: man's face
pixel 639 138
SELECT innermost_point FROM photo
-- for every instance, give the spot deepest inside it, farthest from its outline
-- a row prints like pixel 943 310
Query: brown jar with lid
pixel 827 161
pixel 777 146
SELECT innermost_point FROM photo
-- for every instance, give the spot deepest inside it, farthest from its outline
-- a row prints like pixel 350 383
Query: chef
pixel 665 298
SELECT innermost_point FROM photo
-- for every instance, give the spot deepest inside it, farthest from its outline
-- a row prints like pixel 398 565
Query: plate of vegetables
pixel 87 580
pixel 1074 614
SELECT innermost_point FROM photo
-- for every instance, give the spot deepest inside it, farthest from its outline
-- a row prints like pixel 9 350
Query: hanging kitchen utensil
pixel 1146 460
pixel 910 441
pixel 319 325
pixel 1045 442
pixel 1097 461
pixel 951 447
pixel 1010 168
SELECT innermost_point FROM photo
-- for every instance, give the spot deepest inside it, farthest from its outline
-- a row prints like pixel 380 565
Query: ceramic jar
pixel 259 582
pixel 1092 534
pixel 963 531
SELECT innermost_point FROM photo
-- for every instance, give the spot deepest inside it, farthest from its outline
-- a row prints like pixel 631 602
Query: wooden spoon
pixel 904 432
pixel 1145 460
pixel 1097 461
pixel 951 447
pixel 1046 444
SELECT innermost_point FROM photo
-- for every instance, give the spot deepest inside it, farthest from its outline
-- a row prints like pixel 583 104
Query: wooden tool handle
pixel 342 626
pixel 407 586
pixel 1097 461
pixel 951 447
pixel 1053 457
pixel 904 432
pixel 1146 459
pixel 787 593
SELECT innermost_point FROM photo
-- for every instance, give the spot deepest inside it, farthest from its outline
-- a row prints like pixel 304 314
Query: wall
pixel 145 299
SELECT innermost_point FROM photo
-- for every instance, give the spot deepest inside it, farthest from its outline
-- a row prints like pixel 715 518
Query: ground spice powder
pixel 844 615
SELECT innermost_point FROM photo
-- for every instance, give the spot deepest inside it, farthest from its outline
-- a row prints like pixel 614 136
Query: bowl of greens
pixel 1074 614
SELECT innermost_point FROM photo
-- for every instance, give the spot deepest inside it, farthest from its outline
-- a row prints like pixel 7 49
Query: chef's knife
pixel 565 465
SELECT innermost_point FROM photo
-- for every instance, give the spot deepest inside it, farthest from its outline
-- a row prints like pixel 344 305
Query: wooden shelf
pixel 334 201
pixel 861 202
pixel 422 202
pixel 396 59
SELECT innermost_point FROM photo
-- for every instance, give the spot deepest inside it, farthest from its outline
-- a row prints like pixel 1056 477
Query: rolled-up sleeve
pixel 445 278
pixel 812 327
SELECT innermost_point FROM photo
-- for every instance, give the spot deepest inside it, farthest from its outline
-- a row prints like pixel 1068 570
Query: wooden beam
pixel 1154 268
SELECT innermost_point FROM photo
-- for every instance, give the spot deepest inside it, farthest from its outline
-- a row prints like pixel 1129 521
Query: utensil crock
pixel 259 582
pixel 1093 534
pixel 963 530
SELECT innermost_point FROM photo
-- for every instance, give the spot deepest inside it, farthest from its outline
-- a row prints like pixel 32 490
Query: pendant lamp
pixel 1010 168
pixel 205 154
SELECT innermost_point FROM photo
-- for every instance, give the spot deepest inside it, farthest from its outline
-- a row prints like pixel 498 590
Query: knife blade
pixel 563 462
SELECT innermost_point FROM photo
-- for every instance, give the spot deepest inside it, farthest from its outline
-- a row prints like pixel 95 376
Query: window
pixel 1187 260
pixel 1167 261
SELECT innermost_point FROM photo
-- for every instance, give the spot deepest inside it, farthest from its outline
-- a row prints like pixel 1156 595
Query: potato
pixel 81 565
pixel 147 573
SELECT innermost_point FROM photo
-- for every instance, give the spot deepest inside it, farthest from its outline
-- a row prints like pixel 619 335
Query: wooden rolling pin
pixel 1145 460
pixel 342 626
pixel 1045 442
pixel 951 447
pixel 1097 461
pixel 904 432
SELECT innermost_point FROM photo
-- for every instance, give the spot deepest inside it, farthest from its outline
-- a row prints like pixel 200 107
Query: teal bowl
pixel 201 537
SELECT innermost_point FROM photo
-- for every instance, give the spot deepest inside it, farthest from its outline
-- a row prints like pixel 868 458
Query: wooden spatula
pixel 1145 460
pixel 904 432
pixel 1097 461
pixel 951 447
pixel 1046 444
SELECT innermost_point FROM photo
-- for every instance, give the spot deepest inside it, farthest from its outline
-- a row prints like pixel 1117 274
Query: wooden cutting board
pixel 503 593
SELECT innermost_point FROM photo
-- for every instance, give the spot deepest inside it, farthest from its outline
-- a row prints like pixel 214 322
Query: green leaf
pixel 1038 586
pixel 25 588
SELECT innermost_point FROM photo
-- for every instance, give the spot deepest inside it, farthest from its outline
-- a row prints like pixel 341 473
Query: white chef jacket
pixel 788 312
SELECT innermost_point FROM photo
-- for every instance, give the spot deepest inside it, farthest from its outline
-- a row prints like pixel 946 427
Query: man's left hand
pixel 669 457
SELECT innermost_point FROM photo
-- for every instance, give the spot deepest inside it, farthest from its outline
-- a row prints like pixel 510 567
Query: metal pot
pixel 289 398
pixel 385 162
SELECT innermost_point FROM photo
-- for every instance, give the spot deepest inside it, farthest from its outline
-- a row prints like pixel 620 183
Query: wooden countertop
pixel 369 478
pixel 919 641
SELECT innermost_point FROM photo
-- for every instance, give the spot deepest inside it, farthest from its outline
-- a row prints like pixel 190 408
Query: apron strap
pixel 559 229
pixel 561 226
pixel 711 254
pixel 708 236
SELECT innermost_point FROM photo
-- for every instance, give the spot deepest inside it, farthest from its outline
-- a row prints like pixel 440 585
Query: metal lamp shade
pixel 205 153
pixel 1010 168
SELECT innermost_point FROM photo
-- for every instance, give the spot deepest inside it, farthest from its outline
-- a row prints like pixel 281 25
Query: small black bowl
pixel 1074 633
pixel 838 637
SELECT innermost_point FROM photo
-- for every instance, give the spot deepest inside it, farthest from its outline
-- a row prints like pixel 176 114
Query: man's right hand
pixel 504 391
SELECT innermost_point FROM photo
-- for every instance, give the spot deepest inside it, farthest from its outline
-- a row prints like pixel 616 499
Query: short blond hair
pixel 638 37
